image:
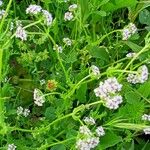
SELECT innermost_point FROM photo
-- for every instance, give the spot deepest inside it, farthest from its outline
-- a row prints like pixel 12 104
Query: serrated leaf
pixel 110 139
pixel 72 57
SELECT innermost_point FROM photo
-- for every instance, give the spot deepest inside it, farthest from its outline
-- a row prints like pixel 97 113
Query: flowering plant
pixel 74 75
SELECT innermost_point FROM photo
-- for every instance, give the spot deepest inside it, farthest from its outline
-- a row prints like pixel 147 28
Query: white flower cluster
pixel 67 41
pixel 87 144
pixel 25 112
pixel 89 140
pixel 128 31
pixel 35 9
pixel 130 55
pixel 11 147
pixel 146 117
pixel 95 70
pixel 147 130
pixel 100 131
pixel 38 97
pixel 140 77
pixel 48 17
pixel 58 48
pixel 2 13
pixel 21 33
pixel 85 130
pixel 89 120
pixel 42 82
pixel 107 91
pixel 69 15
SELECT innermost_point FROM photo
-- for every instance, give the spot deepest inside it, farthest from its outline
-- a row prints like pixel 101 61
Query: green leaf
pixel 50 113
pixel 110 139
pixel 71 57
pixel 144 17
pixel 132 97
pixel 133 46
pixel 99 52
pixel 144 89
pixel 116 4
pixel 81 93
pixel 58 147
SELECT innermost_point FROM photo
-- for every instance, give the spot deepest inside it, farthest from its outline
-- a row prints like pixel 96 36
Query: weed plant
pixel 74 74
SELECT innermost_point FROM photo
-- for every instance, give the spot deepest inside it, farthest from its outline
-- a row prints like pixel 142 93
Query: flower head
pixel 68 16
pixel 85 130
pixel 19 110
pixel 147 130
pixel 33 9
pixel 38 97
pixel 95 70
pixel 48 17
pixel 89 120
pixel 26 112
pixel 1 3
pixel 21 33
pixel 73 7
pixel 11 147
pixel 2 13
pixel 67 41
pixel 130 55
pixel 100 131
pixel 58 48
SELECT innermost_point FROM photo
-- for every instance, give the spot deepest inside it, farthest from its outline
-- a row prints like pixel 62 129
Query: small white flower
pixel 87 144
pixel 2 13
pixel 126 34
pixel 132 28
pixel 48 17
pixel 146 117
pixel 38 97
pixel 73 7
pixel 147 130
pixel 21 33
pixel 42 82
pixel 128 31
pixel 140 77
pixel 130 55
pixel 67 41
pixel 85 130
pixel 1 3
pixel 66 1
pixel 11 147
pixel 33 9
pixel 68 16
pixel 11 26
pixel 100 131
pixel 113 102
pixel 89 120
pixel 95 70
pixel 26 112
pixel 19 110
pixel 58 48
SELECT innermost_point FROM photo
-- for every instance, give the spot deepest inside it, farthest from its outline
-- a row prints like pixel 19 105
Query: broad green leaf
pixel 145 89
pixel 132 97
pixel 110 139
pixel 116 4
pixel 144 17
pixel 50 113
pixel 99 52
pixel 58 147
